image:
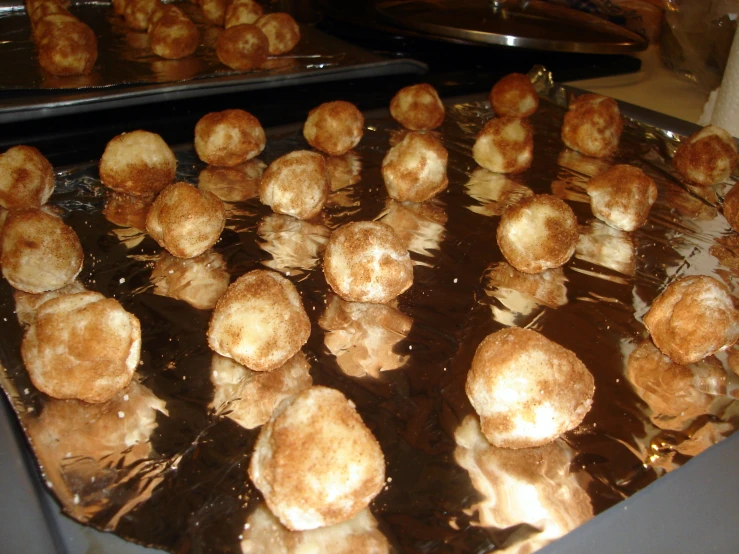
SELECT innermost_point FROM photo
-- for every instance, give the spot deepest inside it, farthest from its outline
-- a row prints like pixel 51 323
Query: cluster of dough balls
pixel 539 232
pixel 334 128
pixel 527 389
pixel 706 157
pixel 592 125
pixel 66 46
pixel 229 137
pixel 514 96
pixel 315 462
pixel 505 145
pixel 296 184
pixel 414 170
pixel 365 261
pixel 417 107
pixel 26 178
pixel 694 317
pixel 622 196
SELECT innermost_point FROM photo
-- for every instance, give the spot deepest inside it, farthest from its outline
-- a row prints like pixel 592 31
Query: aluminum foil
pixel 165 464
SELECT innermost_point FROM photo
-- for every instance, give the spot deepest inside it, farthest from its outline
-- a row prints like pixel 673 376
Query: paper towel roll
pixel 726 111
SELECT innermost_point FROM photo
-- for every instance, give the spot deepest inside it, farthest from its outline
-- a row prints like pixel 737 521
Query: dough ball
pixel 186 221
pixel 539 232
pixel 82 346
pixel 214 10
pixel 173 35
pixel 593 125
pixel 281 30
pixel 27 304
pixel 514 96
pixel 69 49
pixel 229 138
pixel 334 127
pixel 138 163
pixel 242 47
pixel 296 184
pixel 26 178
pixel 417 107
pixel 260 322
pixel 249 397
pixel 50 25
pixel 137 13
pixel 706 157
pixel 414 170
pixel 315 462
pixel 233 184
pixel 42 10
pixel 694 317
pixel 505 145
pixel 199 281
pixel 527 389
pixel 731 207
pixel 365 261
pixel 38 251
pixel 622 196
pixel 240 12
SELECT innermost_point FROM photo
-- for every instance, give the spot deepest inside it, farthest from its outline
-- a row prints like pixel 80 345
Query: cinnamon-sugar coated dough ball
pixel 694 317
pixel 315 462
pixel 137 13
pixel 593 125
pixel 706 157
pixel 229 137
pixel 527 389
pixel 417 107
pixel 70 49
pixel 505 145
pixel 27 303
pixel 539 232
pixel 139 163
pixel 173 36
pixel 214 10
pixel 82 346
pixel 514 96
pixel 414 170
pixel 296 184
pixel 622 196
pixel 260 322
pixel 281 30
pixel 51 24
pixel 242 47
pixel 38 251
pixel 240 12
pixel 365 261
pixel 731 208
pixel 186 221
pixel 26 178
pixel 334 127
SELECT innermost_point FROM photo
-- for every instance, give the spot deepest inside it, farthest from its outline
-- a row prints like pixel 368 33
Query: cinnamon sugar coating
pixel 214 10
pixel 418 107
pixel 539 232
pixel 242 47
pixel 229 138
pixel 622 196
pixel 281 30
pixel 296 184
pixel 242 11
pixel 26 178
pixel 38 251
pixel 334 127
pixel 139 163
pixel 527 389
pixel 694 317
pixel 186 221
pixel 82 346
pixel 172 35
pixel 414 170
pixel 505 145
pixel 593 125
pixel 69 48
pixel 260 322
pixel 514 96
pixel 315 462
pixel 365 261
pixel 137 13
pixel 706 157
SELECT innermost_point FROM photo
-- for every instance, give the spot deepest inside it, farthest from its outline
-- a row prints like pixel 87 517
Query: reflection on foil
pixel 295 244
pixel 199 281
pixel 529 495
pixel 419 226
pixel 233 184
pixel 605 246
pixel 345 170
pixel 364 337
pixel 494 191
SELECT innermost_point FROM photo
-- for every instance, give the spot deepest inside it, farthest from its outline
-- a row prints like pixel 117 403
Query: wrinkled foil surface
pixel 165 464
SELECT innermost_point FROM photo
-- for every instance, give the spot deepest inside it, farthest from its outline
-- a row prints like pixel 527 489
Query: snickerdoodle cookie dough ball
pixel 527 389
pixel 706 157
pixel 296 184
pixel 82 346
pixel 505 145
pixel 414 170
pixel 622 196
pixel 365 261
pixel 26 178
pixel 694 317
pixel 139 163
pixel 38 251
pixel 539 232
pixel 260 322
pixel 334 127
pixel 315 462
pixel 417 107
pixel 185 220
pixel 593 125
pixel 514 96
pixel 242 47
pixel 281 30
pixel 229 137
pixel 240 12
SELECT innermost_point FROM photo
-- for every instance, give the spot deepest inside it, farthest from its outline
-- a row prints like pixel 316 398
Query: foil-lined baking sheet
pixel 127 72
pixel 165 464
